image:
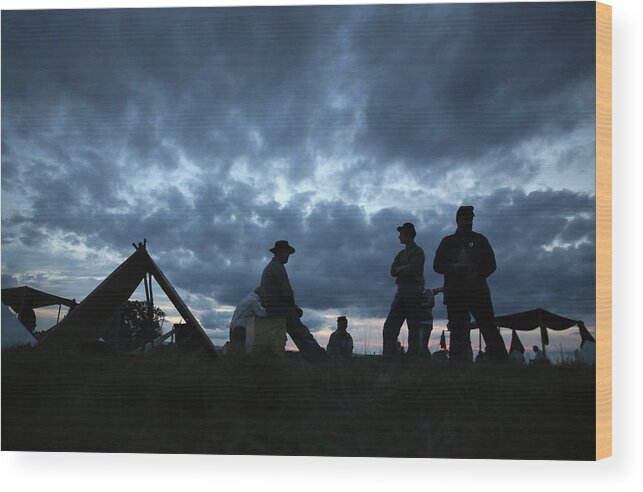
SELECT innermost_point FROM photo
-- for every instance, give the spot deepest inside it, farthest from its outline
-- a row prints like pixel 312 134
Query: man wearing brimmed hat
pixel 408 270
pixel 278 299
pixel 466 260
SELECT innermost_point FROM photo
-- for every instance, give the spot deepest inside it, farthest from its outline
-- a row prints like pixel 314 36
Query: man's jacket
pixel 474 252
pixel 411 257
pixel 276 291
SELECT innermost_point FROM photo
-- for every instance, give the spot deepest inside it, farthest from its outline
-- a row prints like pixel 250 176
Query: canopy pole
pixel 58 317
pixel 542 333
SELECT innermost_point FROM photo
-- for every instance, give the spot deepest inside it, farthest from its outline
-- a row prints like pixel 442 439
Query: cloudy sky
pixel 214 132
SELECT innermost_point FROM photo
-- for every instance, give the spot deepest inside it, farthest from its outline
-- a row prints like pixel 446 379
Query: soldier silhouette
pixel 408 270
pixel 466 259
pixel 278 299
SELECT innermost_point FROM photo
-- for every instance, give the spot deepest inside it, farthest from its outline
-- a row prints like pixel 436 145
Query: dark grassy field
pixel 169 403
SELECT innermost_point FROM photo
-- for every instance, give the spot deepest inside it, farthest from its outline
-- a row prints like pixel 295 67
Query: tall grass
pixel 171 403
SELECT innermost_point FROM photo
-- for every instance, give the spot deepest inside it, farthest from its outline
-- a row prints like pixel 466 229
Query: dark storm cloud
pixel 421 84
pixel 544 244
pixel 177 124
pixel 8 281
pixel 152 80
pixel 545 248
pixel 497 74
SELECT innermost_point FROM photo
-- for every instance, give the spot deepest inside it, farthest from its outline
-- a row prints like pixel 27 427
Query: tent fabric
pixel 544 336
pixel 14 333
pixel 18 298
pixel 536 318
pixel 85 323
pixel 585 335
pixel 516 344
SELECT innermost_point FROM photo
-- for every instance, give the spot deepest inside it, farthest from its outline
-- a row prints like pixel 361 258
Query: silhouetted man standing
pixel 408 270
pixel 278 299
pixel 466 260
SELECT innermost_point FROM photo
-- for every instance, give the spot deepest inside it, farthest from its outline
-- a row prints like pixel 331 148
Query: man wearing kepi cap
pixel 278 299
pixel 408 270
pixel 466 260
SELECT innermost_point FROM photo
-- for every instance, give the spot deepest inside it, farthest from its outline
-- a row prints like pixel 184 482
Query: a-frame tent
pixel 86 322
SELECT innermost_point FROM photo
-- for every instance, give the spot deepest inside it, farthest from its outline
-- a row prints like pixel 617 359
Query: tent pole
pixel 542 334
pixel 150 305
pixel 151 295
pixel 175 299
pixel 58 317
pixel 147 291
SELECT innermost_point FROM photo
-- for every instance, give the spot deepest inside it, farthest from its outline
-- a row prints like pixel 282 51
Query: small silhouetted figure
pixel 278 299
pixel 340 344
pixel 408 270
pixel 539 358
pixel 466 260
pixel 249 306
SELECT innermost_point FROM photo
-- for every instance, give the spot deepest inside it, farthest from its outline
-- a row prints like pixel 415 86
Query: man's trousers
pixel 407 305
pixel 461 305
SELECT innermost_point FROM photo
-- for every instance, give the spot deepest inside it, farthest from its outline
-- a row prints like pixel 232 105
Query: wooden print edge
pixel 603 231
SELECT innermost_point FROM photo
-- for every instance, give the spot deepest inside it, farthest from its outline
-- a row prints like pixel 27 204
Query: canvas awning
pixel 536 318
pixel 19 298
pixel 540 319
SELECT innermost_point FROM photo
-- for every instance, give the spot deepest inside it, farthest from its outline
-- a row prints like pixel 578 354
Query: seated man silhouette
pixel 340 344
pixel 278 299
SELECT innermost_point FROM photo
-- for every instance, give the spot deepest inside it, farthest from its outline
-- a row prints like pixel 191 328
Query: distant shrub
pixel 137 327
